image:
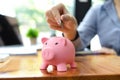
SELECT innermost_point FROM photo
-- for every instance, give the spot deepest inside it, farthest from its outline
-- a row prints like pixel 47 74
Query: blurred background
pixel 22 15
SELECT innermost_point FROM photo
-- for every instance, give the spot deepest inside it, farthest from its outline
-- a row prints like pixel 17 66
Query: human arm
pixel 105 50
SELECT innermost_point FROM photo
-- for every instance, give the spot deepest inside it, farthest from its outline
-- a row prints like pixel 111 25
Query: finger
pixel 49 14
pixel 62 9
pixel 56 15
pixel 51 22
pixel 69 20
pixel 67 17
pixel 57 11
pixel 50 18
pixel 55 27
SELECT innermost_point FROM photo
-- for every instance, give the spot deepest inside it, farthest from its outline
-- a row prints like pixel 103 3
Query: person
pixel 103 20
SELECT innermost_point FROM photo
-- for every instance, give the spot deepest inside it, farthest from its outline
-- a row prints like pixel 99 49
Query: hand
pixel 105 50
pixel 59 13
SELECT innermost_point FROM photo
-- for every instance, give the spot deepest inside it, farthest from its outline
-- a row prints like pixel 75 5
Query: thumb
pixel 67 18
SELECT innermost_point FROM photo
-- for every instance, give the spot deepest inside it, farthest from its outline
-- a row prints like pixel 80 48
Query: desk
pixel 99 67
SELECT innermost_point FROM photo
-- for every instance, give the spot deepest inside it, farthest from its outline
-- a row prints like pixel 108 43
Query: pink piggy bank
pixel 58 51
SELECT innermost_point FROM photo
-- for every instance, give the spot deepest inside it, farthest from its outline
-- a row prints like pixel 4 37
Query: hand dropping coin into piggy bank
pixel 58 51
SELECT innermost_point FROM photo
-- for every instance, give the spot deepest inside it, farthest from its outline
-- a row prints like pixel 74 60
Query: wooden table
pixel 94 67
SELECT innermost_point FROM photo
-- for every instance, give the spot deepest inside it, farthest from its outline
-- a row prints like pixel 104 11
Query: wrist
pixel 71 36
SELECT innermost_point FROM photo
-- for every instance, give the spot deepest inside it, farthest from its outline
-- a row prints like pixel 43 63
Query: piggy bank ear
pixel 44 40
pixel 63 41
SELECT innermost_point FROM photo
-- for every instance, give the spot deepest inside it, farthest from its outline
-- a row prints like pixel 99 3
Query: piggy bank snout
pixel 48 54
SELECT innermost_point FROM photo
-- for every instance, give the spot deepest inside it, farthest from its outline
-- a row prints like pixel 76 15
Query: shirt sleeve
pixel 87 29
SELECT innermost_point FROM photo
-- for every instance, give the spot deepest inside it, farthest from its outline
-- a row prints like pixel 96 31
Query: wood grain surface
pixel 93 67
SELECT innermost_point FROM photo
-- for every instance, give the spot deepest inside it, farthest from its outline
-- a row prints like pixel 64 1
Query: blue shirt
pixel 103 21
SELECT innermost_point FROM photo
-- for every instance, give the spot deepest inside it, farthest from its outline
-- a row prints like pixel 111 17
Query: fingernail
pixel 60 23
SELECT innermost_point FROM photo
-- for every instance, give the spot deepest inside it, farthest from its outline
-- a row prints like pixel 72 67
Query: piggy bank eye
pixel 46 43
pixel 56 43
